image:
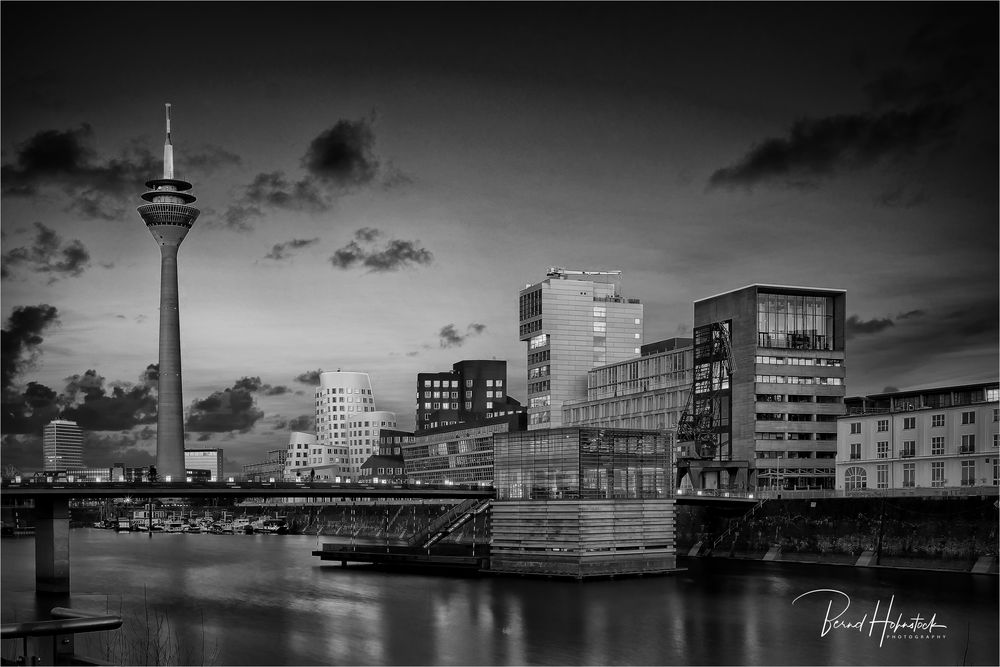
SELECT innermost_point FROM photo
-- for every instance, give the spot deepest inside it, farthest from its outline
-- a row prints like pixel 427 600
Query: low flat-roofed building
pixel 459 453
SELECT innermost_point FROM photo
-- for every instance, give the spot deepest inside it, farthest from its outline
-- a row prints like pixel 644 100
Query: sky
pixel 378 181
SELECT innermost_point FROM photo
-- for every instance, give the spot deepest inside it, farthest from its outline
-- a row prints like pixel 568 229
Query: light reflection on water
pixel 267 600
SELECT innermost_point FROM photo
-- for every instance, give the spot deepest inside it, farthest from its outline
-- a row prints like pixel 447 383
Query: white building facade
pixel 62 445
pixel 300 447
pixel 940 438
pixel 347 427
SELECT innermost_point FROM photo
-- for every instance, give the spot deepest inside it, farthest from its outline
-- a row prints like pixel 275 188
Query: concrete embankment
pixel 940 533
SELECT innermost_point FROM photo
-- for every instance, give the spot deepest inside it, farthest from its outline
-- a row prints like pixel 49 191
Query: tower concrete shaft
pixel 169 217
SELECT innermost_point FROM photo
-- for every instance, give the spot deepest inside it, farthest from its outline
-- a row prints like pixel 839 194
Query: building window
pixel 468 405
pixel 883 425
pixel 937 473
pixel 937 420
pixel 855 450
pixel 909 423
pixel 882 449
pixel 855 478
pixel 499 383
pixel 855 428
pixel 909 449
pixel 969 417
pixel 937 445
pixel 600 311
pixel 468 383
pixel 600 327
pixel 909 475
pixel 992 394
pixel 968 444
pixel 968 473
pixel 541 340
pixel 882 471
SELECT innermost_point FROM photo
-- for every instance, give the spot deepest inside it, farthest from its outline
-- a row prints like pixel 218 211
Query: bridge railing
pixel 52 641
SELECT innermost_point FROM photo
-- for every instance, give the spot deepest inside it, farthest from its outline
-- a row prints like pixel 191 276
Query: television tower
pixel 169 216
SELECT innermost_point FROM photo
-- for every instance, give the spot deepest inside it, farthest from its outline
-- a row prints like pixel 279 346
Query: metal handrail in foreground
pixel 67 623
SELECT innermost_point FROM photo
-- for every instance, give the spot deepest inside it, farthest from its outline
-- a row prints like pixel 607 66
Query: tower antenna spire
pixel 168 150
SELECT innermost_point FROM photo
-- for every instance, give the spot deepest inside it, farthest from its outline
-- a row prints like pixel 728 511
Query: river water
pixel 265 600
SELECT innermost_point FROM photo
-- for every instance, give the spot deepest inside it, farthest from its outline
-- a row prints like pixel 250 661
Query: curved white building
pixel 347 425
pixel 300 445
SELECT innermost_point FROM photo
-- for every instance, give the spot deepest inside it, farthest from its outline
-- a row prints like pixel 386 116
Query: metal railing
pixel 59 650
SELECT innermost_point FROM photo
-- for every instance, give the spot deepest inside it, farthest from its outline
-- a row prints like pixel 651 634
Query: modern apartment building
pixel 936 438
pixel 386 466
pixel 769 372
pixel 205 459
pixel 571 326
pixel 62 445
pixel 459 453
pixel 645 393
pixel 347 425
pixel 472 391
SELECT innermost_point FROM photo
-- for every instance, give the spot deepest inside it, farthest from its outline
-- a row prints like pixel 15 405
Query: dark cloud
pixel 120 408
pixel 344 154
pixel 47 254
pixel 394 255
pixel 339 160
pixel 22 337
pixel 889 389
pixel 449 336
pixel 909 314
pixel 28 411
pixel 99 188
pixel 302 423
pixel 281 250
pixel 102 450
pixel 947 70
pixel 310 377
pixel 855 325
pixel 280 390
pixel 819 148
pixel 232 409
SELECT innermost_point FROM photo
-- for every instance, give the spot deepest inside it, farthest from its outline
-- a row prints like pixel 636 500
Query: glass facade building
pixel 582 463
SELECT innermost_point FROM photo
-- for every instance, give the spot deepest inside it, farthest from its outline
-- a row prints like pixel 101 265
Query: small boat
pixel 174 527
pixel 243 525
pixel 275 526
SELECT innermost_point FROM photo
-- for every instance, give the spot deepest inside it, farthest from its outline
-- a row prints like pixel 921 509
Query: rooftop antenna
pixel 168 150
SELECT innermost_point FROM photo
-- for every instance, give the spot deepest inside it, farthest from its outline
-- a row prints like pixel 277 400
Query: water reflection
pixel 266 600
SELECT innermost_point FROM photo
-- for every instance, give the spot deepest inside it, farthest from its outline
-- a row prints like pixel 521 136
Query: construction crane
pixel 560 272
pixel 713 371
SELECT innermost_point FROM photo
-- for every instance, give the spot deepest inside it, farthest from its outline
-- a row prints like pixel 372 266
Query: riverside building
pixel 928 440
pixel 347 427
pixel 570 326
pixel 301 447
pixel 273 466
pixel 209 460
pixel 645 393
pixel 583 502
pixel 458 453
pixel 62 445
pixel 472 391
pixel 775 416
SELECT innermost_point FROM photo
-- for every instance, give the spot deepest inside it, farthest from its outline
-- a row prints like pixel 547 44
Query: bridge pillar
pixel 51 545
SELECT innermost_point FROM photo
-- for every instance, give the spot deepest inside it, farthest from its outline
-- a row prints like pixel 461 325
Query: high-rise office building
pixel 347 425
pixel 769 371
pixel 572 325
pixel 62 445
pixel 169 216
pixel 472 391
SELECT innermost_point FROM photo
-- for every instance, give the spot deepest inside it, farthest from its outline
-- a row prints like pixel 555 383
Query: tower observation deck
pixel 169 216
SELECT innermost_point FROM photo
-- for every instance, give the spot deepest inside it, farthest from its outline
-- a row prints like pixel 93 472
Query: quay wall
pixel 948 533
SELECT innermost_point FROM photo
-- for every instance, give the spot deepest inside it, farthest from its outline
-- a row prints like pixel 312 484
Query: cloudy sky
pixel 377 182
